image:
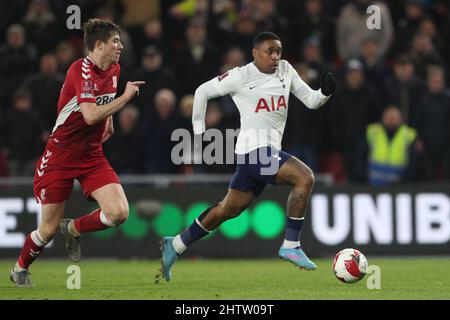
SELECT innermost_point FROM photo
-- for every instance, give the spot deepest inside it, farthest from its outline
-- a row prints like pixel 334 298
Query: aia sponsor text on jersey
pixel 274 104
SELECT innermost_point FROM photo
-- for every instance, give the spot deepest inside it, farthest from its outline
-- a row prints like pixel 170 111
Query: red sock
pixel 92 222
pixel 32 248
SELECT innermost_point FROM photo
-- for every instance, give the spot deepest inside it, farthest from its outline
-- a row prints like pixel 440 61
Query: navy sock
pixel 293 228
pixel 193 233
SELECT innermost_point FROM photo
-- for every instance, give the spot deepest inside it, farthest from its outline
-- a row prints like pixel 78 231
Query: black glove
pixel 327 83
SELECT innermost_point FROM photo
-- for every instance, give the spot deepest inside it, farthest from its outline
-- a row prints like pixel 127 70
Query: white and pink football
pixel 349 265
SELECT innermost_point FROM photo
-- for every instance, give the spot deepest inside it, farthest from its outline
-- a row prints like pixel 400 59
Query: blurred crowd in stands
pixel 396 76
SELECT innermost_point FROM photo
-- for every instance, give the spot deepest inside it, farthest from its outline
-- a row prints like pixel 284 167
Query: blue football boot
pixel 297 257
pixel 169 256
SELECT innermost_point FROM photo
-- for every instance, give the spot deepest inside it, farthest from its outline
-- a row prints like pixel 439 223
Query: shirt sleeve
pixel 84 86
pixel 227 83
pixel 313 99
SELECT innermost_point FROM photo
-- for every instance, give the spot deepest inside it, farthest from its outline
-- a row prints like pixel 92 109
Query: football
pixel 349 265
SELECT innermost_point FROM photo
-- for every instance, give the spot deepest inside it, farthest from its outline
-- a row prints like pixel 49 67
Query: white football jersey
pixel 262 100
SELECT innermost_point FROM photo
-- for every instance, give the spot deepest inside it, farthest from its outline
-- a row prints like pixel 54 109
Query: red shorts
pixel 57 168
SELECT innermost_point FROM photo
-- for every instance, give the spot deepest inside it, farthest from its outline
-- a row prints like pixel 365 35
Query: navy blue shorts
pixel 254 170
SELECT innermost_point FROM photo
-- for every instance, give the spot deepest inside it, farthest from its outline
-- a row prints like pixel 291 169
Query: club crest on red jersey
pixel 86 86
pixel 87 89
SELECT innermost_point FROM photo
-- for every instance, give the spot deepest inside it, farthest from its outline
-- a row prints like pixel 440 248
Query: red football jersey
pixel 84 82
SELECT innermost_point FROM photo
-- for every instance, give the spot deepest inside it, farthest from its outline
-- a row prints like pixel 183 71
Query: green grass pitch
pixel 401 278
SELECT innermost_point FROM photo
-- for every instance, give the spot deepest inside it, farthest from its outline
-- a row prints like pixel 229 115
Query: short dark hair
pixel 97 29
pixel 264 36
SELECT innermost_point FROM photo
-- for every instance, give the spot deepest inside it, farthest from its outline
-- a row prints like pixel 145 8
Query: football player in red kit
pixel 74 150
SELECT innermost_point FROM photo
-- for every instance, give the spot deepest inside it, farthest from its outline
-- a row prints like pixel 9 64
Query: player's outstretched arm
pixel 93 114
pixel 203 93
pixel 313 99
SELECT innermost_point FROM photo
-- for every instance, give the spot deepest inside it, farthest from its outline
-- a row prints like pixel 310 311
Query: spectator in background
pixel 428 27
pixel 151 34
pixel 66 55
pixel 408 25
pixel 423 54
pixel 125 148
pixel 440 13
pixel 17 60
pixel 158 131
pixel 387 152
pixel 153 72
pixel 352 29
pixel 185 8
pixel 234 57
pixel 222 17
pixel 433 121
pixel 404 88
pixel 174 24
pixel 266 17
pixel 243 33
pixel 42 26
pixel 214 119
pixel 186 106
pixel 355 105
pixel 314 22
pixel 374 64
pixel 26 135
pixel 312 56
pixel 198 59
pixel 45 87
pixel 10 12
pixel 304 127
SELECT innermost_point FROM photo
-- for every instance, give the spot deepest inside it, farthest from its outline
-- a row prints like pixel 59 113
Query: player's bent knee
pixel 118 215
pixel 306 180
pixel 310 179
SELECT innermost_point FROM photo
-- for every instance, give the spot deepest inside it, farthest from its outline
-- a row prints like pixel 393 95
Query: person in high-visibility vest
pixel 390 147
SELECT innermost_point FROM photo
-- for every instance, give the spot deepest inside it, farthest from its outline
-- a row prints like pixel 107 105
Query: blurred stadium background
pixel 177 45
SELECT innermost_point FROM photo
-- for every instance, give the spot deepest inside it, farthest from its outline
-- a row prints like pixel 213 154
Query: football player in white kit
pixel 260 91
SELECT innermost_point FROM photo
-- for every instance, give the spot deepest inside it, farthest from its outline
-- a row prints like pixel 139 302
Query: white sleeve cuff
pixel 198 126
pixel 322 95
